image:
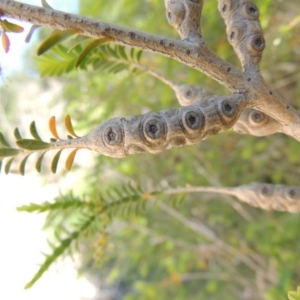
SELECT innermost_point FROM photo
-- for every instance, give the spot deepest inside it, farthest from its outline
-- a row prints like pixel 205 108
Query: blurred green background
pixel 156 255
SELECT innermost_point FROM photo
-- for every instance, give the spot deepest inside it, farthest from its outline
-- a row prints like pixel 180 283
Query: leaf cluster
pixel 83 52
pixel 27 147
pixel 83 218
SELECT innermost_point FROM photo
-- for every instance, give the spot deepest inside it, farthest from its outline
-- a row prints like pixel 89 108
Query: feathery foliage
pixel 83 52
pixel 95 213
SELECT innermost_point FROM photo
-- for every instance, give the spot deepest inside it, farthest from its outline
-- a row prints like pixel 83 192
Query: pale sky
pixel 12 60
pixel 21 237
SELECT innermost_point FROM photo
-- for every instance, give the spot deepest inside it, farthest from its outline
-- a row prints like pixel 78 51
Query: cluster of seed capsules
pixel 243 30
pixel 155 132
pixel 270 197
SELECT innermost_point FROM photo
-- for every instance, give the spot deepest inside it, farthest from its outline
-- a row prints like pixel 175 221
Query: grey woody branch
pixel 257 123
pixel 184 16
pixel 156 132
pixel 251 121
pixel 194 54
pixel 244 32
pixel 262 195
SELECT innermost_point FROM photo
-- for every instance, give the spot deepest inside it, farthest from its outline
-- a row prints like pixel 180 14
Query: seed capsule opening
pixel 252 10
pixel 266 191
pixel 236 33
pixel 258 42
pixel 153 129
pixel 258 118
pixel 112 136
pixel 226 7
pixel 191 121
pixel 293 193
pixel 228 108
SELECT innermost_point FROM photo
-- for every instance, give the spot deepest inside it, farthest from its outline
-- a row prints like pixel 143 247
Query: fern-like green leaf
pixel 3 141
pixel 180 200
pixel 7 152
pixel 117 192
pixel 62 52
pixel 34 132
pixel 177 200
pixel 132 188
pixel 76 41
pixel 17 134
pixel 57 36
pixel 96 53
pixel 33 145
pixel 139 55
pixel 136 71
pixel 69 126
pixel 56 62
pixel 112 52
pixel 38 165
pixel 121 51
pixel 57 205
pixel 103 65
pixel 126 189
pixel 128 198
pixel 118 68
pixel 23 164
pixel 122 200
pixel 89 48
pixel 55 161
pixel 139 188
pixel 132 53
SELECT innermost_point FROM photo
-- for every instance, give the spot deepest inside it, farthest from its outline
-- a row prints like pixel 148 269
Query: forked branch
pixel 184 16
pixel 192 52
pixel 243 31
pixel 251 121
